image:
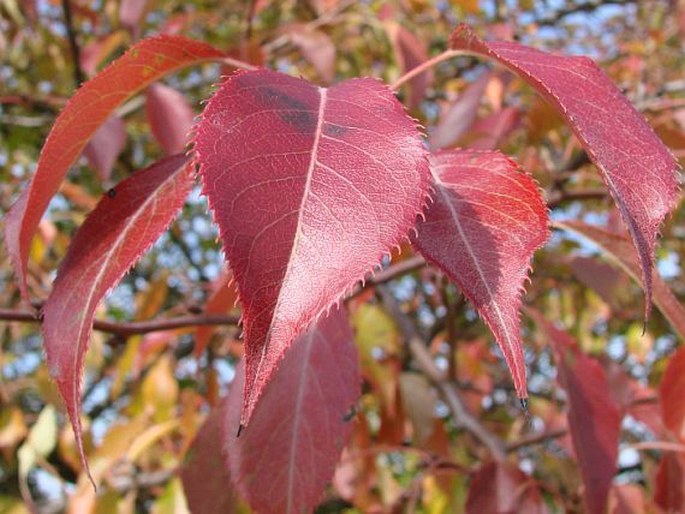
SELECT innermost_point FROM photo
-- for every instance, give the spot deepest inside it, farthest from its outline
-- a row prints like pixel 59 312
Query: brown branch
pixel 532 439
pixel 462 417
pixel 125 329
pixel 73 44
pixel 560 197
pixel 586 7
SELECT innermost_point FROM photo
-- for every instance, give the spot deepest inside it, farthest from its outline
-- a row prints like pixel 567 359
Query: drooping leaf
pixel 618 249
pixel 105 146
pixel 669 493
pixel 170 117
pixel 284 459
pixel 87 110
pixel 310 187
pixel 125 223
pixel 205 474
pixel 486 221
pixel 637 168
pixel 502 488
pixel 671 394
pixel 593 417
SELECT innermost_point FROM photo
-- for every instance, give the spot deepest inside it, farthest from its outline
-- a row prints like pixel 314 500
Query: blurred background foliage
pixel 147 395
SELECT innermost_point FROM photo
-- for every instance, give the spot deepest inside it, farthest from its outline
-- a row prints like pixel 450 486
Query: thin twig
pixel 462 417
pixel 541 437
pixel 444 56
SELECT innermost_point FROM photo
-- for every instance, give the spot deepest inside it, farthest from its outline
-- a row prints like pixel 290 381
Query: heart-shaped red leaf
pixel 284 459
pixel 593 417
pixel 87 110
pixel 638 169
pixel 126 222
pixel 310 187
pixel 485 223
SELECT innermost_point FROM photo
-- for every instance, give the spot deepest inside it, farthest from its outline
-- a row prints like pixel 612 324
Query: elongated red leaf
pixel 89 108
pixel 671 395
pixel 125 223
pixel 205 474
pixel 170 117
pixel 487 220
pixel 618 249
pixel 310 188
pixel 593 417
pixel 284 459
pixel 638 169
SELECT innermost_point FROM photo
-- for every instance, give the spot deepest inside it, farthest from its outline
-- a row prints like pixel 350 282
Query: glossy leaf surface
pixel 126 222
pixel 87 110
pixel 284 459
pixel 310 187
pixel 593 417
pixel 486 221
pixel 637 168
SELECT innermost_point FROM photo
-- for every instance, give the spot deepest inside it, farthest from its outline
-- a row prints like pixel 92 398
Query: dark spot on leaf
pixel 111 193
pixel 292 110
pixel 240 430
pixel 351 413
pixel 300 120
pixel 333 130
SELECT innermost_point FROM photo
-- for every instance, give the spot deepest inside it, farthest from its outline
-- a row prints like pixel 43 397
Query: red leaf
pixel 221 301
pixel 124 224
pixel 638 169
pixel 310 188
pixel 284 459
pixel 487 220
pixel 671 393
pixel 498 487
pixel 669 492
pixel 593 417
pixel 105 146
pixel 89 108
pixel 205 474
pixel 619 249
pixel 170 116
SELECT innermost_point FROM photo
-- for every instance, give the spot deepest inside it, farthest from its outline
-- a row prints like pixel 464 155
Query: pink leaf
pixel 487 220
pixel 459 116
pixel 619 249
pixel 105 146
pixel 170 116
pixel 125 223
pixel 284 459
pixel 310 187
pixel 499 487
pixel 87 110
pixel 410 51
pixel 593 417
pixel 205 474
pixel 638 169
pixel 316 47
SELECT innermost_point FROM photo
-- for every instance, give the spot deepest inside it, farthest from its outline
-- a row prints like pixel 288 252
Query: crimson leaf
pixel 310 187
pixel 485 223
pixel 124 224
pixel 637 168
pixel 283 460
pixel 87 110
pixel 594 418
